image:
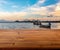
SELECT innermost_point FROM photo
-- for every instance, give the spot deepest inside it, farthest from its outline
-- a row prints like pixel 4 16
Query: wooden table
pixel 44 38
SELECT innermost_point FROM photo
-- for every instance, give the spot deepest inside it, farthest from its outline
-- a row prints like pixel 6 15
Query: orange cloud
pixel 57 13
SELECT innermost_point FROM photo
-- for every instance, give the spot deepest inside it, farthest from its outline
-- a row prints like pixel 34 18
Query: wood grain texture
pixel 44 38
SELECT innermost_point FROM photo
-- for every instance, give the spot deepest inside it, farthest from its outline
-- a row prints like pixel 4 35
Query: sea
pixel 26 26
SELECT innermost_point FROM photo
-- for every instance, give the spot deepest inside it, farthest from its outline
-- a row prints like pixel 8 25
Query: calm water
pixel 18 26
pixel 25 26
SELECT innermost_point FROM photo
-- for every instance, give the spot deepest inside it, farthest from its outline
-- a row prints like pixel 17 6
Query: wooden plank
pixel 44 38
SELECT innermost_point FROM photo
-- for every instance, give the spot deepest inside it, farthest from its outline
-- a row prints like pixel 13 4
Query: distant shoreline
pixel 31 22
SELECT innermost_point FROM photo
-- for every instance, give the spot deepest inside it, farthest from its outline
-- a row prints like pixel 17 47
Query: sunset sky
pixel 25 9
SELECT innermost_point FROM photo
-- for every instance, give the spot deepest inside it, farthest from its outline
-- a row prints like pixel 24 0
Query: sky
pixel 28 9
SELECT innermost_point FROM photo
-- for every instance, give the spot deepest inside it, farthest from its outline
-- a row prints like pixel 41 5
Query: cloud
pixel 57 9
pixel 3 2
pixel 40 10
pixel 39 3
pixel 12 15
pixel 36 7
pixel 34 10
pixel 58 6
pixel 45 10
